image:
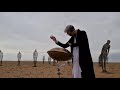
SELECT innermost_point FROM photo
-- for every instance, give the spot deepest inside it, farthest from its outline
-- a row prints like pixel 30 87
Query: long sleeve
pixel 64 45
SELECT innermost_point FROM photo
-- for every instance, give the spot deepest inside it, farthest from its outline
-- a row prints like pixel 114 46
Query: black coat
pixel 85 59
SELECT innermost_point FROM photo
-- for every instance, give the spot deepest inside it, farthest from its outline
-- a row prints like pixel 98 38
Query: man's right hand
pixel 53 38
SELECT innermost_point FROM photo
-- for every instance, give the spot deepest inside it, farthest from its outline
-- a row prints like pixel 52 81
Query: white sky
pixel 27 31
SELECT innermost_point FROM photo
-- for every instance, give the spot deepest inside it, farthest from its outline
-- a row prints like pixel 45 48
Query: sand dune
pixel 9 69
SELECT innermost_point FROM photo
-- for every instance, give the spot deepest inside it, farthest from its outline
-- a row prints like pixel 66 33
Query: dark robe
pixel 85 59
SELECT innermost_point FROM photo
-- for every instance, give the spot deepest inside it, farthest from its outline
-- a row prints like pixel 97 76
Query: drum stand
pixel 58 68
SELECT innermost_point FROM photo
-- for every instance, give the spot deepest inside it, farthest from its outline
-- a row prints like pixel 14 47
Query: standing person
pixel 104 55
pixel 43 59
pixel 49 59
pixel 35 56
pixel 1 57
pixel 82 60
pixel 19 55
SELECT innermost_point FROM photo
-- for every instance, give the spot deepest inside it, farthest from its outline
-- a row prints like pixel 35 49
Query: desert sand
pixel 10 69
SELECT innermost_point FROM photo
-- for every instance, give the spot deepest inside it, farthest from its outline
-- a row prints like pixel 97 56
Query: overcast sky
pixel 27 31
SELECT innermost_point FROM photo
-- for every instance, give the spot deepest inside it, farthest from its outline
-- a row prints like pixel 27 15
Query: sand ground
pixel 9 69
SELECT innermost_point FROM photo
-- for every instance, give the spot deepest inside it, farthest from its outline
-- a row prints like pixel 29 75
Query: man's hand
pixel 53 38
pixel 69 44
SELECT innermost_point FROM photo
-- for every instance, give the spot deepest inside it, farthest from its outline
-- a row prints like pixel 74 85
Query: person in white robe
pixel 1 57
pixel 35 56
pixel 19 55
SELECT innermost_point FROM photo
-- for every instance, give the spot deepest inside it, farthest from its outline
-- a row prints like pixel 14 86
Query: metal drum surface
pixel 60 54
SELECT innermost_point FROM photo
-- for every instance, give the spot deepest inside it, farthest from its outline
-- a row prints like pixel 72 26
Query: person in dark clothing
pixel 104 55
pixel 79 40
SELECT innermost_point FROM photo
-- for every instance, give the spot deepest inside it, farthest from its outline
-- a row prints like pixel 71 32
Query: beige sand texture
pixel 9 69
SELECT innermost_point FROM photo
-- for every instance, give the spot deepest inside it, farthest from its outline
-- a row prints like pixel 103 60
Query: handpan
pixel 60 54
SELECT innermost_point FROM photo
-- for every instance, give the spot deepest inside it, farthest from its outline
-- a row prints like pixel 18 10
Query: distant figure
pixel 49 60
pixel 19 55
pixel 43 59
pixel 35 55
pixel 1 57
pixel 103 58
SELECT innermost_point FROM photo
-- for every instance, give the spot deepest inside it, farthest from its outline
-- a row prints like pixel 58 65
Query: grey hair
pixel 69 28
pixel 108 40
